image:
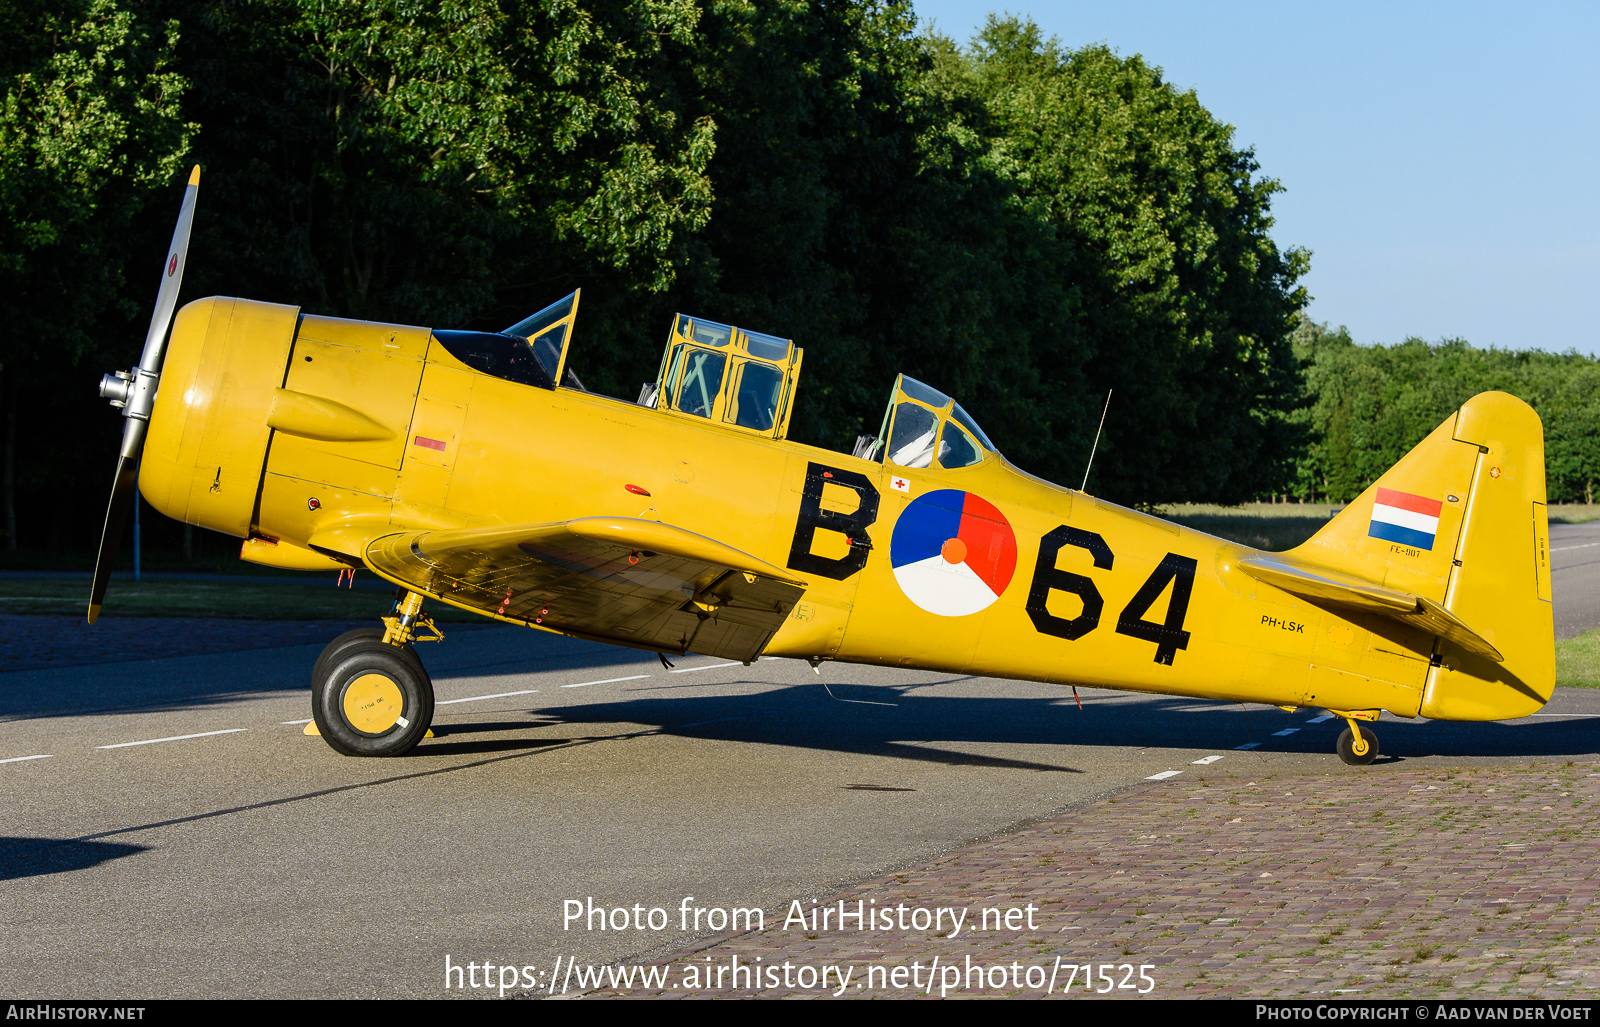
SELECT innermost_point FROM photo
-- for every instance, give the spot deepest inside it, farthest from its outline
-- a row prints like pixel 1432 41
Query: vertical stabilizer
pixel 1461 520
pixel 1502 582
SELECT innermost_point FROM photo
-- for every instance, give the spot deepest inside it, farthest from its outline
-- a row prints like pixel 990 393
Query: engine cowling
pixel 207 446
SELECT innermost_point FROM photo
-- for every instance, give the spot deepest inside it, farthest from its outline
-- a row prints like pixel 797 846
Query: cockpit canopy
pixel 728 375
pixel 733 377
pixel 925 428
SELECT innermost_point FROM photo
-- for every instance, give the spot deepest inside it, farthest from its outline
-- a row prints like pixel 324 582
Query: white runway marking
pixel 1163 775
pixel 1285 731
pixel 1247 745
pixel 292 723
pixel 174 738
pixel 1318 720
pixel 23 759
pixel 1206 760
pixel 607 681
pixel 713 666
pixel 497 695
pixel 1586 545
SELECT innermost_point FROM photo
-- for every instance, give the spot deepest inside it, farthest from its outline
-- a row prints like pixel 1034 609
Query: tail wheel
pixel 1347 751
pixel 371 699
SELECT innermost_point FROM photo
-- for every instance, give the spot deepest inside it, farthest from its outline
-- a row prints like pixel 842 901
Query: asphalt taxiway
pixel 171 832
pixel 1575 576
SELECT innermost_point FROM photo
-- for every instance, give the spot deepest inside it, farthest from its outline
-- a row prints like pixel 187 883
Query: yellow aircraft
pixel 474 469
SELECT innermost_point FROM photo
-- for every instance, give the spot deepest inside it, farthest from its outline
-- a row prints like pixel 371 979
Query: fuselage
pixel 563 455
pixel 1083 591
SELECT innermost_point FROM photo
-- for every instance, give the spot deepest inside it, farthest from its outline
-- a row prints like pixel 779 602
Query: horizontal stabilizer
pixel 1321 585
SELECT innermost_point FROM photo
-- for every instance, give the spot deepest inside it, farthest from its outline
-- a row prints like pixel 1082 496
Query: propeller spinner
pixel 134 391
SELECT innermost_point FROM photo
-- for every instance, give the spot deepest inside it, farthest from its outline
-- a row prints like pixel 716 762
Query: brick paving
pixel 1360 883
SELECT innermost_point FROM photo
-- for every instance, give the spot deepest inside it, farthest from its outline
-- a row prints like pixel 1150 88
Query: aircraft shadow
pixel 924 726
pixel 905 721
pixel 35 857
pixel 153 686
pixel 483 745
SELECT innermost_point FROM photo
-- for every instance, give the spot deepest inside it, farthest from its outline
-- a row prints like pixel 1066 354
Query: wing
pixel 1328 586
pixel 620 580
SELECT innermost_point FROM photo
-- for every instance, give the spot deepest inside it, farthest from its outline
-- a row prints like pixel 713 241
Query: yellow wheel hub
pixel 372 703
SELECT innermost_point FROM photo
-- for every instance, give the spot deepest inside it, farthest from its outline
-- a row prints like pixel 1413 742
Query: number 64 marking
pixel 1168 635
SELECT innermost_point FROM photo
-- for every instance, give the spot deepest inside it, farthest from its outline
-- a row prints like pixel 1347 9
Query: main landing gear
pixel 370 694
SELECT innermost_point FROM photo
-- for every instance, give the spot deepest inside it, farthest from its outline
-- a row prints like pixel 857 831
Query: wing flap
pixel 1321 584
pixel 612 579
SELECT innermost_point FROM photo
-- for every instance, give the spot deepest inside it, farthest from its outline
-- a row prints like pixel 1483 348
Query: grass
pixel 1276 527
pixel 1270 526
pixel 322 601
pixel 1578 660
pixel 1572 513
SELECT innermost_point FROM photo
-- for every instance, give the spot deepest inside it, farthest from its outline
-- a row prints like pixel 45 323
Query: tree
pixel 1019 225
pixel 848 214
pixel 1176 295
pixel 90 125
pixel 437 163
pixel 1369 405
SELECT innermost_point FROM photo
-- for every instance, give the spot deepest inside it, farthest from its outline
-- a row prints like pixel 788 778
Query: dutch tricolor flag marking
pixel 1404 518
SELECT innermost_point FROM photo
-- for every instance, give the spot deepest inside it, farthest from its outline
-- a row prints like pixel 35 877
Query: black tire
pixel 372 699
pixel 1347 748
pixel 349 638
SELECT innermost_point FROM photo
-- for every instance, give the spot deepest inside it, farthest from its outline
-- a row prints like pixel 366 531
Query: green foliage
pixel 430 162
pixel 1021 225
pixel 852 213
pixel 1174 294
pixel 1016 224
pixel 90 121
pixel 1369 405
pixel 90 124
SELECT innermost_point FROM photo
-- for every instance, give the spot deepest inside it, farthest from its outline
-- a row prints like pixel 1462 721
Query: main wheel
pixel 372 699
pixel 349 638
pixel 1347 742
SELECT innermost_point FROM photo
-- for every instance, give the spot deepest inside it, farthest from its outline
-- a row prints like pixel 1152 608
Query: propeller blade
pixel 171 278
pixel 137 398
pixel 123 489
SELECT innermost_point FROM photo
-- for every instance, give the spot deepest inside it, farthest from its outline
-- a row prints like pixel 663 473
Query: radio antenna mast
pixel 1096 446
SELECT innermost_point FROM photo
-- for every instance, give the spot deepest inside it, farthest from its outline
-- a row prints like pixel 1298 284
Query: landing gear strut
pixel 370 695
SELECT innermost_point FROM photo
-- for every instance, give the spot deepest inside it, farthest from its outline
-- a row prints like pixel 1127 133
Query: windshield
pixel 528 327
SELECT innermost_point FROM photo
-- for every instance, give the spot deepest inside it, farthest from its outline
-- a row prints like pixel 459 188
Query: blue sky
pixel 1441 160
